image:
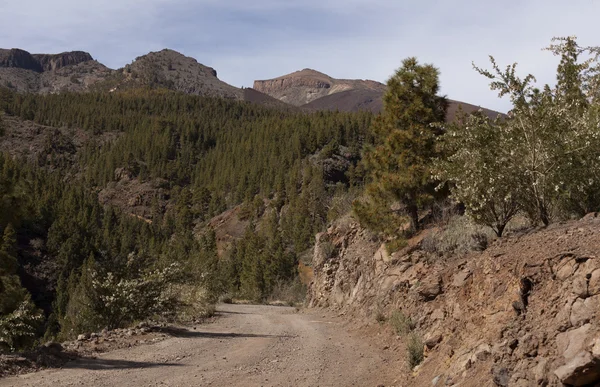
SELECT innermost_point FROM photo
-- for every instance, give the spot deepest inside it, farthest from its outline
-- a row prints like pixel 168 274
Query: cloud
pixel 247 40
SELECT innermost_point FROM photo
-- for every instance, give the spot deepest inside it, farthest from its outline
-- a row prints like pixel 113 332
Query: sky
pixel 246 40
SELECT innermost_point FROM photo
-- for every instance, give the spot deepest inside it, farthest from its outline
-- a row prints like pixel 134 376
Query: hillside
pixel 77 71
pixel 524 312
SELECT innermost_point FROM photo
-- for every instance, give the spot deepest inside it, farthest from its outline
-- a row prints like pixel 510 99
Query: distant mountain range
pixel 77 71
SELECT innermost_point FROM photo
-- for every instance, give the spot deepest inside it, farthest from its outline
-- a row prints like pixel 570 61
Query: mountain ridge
pixel 77 71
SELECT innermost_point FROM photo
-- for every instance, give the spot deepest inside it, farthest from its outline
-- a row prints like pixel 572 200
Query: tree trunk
pixel 413 214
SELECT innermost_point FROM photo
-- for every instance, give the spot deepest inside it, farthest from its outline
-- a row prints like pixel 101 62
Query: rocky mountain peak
pixel 307 85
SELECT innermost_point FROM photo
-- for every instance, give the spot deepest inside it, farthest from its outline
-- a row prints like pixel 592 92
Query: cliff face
pixel 16 58
pixel 524 312
pixel 302 87
pixel 50 62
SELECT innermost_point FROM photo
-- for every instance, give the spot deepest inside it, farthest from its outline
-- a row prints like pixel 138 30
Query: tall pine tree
pixel 398 163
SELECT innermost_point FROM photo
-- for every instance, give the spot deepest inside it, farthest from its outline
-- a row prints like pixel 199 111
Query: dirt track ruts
pixel 247 345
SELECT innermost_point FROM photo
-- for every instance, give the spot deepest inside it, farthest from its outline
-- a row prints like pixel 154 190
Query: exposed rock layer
pixel 464 306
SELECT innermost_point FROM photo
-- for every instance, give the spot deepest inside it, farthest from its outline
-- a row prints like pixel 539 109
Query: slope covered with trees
pixel 90 266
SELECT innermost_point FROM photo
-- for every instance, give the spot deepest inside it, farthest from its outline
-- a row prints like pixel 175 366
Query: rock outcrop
pixel 17 58
pixel 50 62
pixel 462 305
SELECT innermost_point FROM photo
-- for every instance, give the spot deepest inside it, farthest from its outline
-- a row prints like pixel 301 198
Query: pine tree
pixel 9 241
pixel 404 145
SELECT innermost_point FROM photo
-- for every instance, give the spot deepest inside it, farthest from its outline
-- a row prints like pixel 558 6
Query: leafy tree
pixel 478 170
pixel 542 158
pixel 399 162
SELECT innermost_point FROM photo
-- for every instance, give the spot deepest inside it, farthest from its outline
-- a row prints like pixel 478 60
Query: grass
pixel 401 323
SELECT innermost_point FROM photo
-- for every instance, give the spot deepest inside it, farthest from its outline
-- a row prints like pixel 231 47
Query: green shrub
pixel 19 328
pixel 401 323
pixel 414 349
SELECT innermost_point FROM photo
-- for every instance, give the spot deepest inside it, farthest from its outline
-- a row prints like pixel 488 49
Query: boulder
pixel 580 370
pixel 572 342
pixel 501 376
pixel 460 278
pixel 430 288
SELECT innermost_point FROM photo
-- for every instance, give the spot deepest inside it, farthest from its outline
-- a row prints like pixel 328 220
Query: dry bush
pixel 289 292
pixel 401 323
pixel 460 236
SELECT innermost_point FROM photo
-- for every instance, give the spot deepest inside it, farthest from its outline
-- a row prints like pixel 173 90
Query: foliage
pixel 401 323
pixel 19 328
pixel 541 159
pixel 398 163
pixel 460 235
pixel 414 349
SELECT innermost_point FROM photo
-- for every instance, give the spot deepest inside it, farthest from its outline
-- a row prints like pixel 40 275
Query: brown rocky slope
pixel 524 312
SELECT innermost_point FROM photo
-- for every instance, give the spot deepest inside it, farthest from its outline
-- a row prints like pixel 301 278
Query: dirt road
pixel 248 345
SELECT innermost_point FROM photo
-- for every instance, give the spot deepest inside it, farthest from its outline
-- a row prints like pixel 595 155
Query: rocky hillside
pixel 524 312
pixel 49 73
pixel 174 71
pixel 77 71
pixel 305 86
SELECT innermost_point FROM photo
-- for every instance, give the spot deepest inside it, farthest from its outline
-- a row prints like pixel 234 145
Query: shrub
pixel 460 236
pixel 401 323
pixel 291 292
pixel 380 317
pixel 414 349
pixel 103 299
pixel 19 328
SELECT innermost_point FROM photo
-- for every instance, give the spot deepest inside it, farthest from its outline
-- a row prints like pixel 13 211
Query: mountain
pixel 302 87
pixel 49 73
pixel 77 71
pixel 313 90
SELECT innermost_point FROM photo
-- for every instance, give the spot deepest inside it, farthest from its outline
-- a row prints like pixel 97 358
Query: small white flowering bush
pixel 20 327
pixel 105 299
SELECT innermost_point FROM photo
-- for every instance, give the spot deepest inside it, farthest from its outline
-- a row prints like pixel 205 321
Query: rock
pixel 594 283
pixel 580 287
pixel 501 376
pixel 580 370
pixel 436 380
pixel 437 314
pixel 483 352
pixel 430 288
pixel 460 278
pixel 528 346
pixel 590 216
pixel 54 346
pixel 433 340
pixel 582 311
pixel 572 342
pixel 82 337
pixel 540 371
